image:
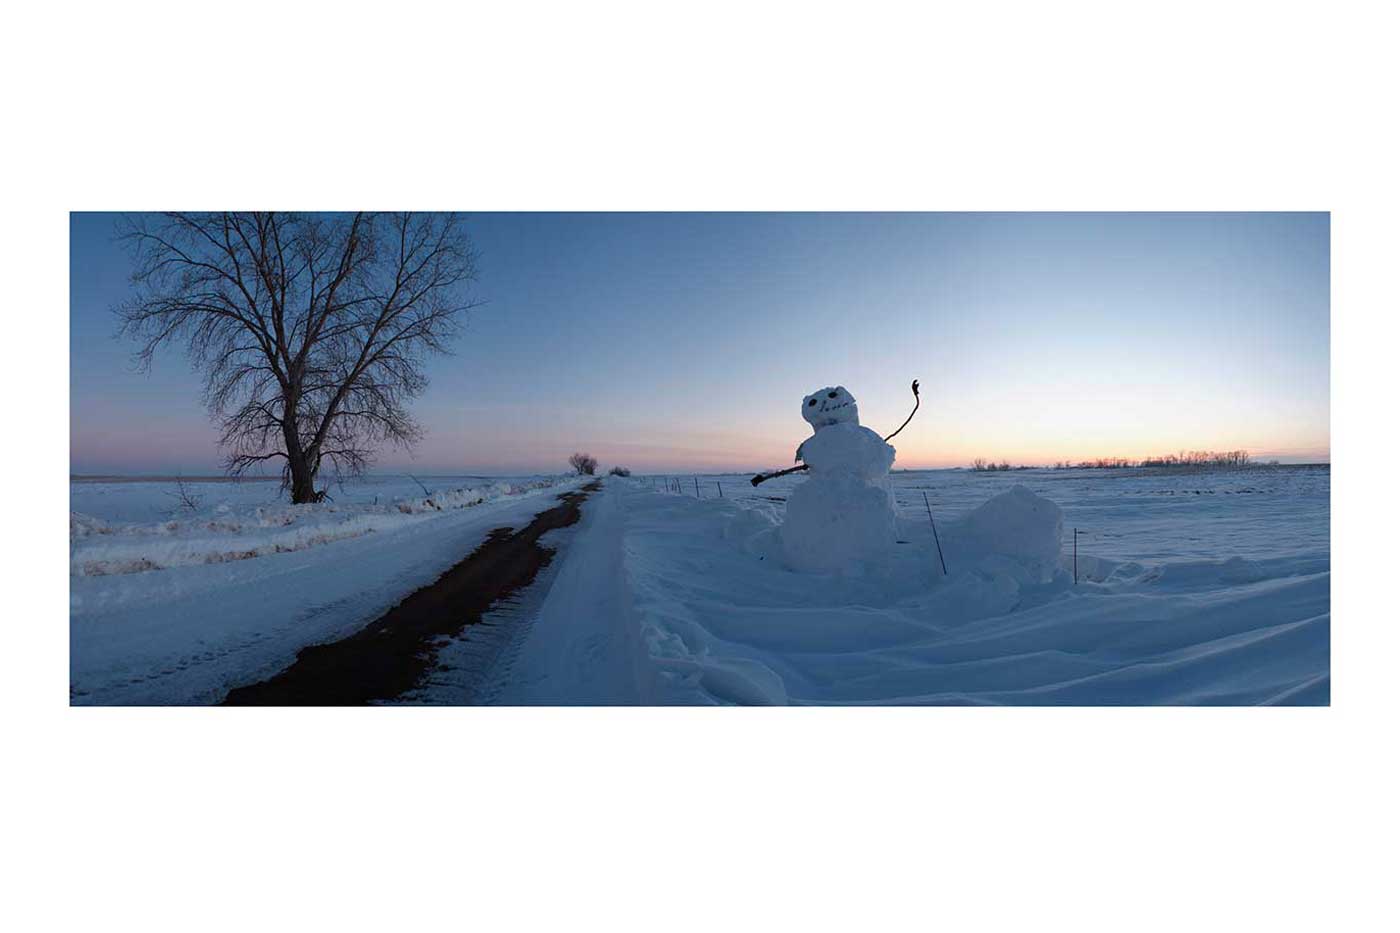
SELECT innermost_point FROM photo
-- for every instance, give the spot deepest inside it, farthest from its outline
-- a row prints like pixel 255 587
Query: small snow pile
pixel 1016 525
pixel 841 520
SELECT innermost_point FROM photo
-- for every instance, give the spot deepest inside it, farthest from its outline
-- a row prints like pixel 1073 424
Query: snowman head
pixel 832 405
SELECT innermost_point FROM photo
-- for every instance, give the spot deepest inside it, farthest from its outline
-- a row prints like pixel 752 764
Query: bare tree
pixel 583 464
pixel 310 329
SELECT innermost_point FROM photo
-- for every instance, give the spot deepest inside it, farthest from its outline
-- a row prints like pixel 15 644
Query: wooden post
pixel 720 488
pixel 697 486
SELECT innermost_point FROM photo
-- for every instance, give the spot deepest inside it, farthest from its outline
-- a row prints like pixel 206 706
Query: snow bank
pixel 98 547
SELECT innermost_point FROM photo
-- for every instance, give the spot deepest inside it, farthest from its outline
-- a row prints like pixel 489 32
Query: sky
pixel 685 342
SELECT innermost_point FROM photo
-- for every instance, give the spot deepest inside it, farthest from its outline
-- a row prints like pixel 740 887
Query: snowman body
pixel 840 519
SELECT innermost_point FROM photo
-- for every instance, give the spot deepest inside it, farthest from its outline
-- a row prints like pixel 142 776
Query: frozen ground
pixel 1209 588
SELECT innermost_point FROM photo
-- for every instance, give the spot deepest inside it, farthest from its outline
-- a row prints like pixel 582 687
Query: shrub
pixel 583 464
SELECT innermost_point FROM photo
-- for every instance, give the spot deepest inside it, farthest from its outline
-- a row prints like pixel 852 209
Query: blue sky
pixel 686 341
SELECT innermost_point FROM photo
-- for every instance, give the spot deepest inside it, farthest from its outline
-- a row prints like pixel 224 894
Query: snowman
pixel 841 520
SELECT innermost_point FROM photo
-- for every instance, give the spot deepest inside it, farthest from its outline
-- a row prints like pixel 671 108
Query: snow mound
pixel 1019 525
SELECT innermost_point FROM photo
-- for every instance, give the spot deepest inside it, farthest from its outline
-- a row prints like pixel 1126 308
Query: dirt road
pixel 391 655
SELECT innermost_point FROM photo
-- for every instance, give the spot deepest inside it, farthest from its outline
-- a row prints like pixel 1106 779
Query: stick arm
pixel 765 477
pixel 915 388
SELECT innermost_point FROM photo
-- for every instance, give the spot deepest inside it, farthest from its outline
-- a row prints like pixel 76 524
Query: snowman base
pixel 837 524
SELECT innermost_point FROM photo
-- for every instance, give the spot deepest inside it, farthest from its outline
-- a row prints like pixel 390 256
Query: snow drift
pixel 224 534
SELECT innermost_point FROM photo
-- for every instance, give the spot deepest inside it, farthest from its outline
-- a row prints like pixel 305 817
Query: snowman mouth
pixel 829 411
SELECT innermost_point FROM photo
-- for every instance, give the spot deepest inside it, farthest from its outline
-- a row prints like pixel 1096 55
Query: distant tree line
pixel 1228 458
pixel 982 465
pixel 1098 463
pixel 1183 458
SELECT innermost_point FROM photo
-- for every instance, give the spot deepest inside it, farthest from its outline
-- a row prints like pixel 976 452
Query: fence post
pixel 720 488
pixel 1076 557
pixel 697 486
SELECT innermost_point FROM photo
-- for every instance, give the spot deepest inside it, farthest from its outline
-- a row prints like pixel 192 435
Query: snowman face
pixel 832 405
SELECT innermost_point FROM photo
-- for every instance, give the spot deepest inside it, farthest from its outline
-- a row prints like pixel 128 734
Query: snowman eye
pixel 811 403
pixel 831 395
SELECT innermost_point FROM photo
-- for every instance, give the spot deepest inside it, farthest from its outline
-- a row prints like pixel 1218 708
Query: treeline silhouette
pixel 982 465
pixel 1227 458
pixel 1183 458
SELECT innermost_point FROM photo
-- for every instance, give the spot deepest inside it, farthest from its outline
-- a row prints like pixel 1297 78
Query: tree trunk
pixel 299 465
pixel 303 481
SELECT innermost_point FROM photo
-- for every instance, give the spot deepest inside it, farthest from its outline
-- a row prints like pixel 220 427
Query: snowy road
pixel 398 654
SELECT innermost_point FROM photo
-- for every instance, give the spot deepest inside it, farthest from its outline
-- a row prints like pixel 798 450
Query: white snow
pixel 691 589
pixel 228 530
pixel 1017 526
pixel 1209 587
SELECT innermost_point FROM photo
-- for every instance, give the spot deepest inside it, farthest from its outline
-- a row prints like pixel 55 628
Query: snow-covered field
pixel 1204 587
pixel 1209 587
